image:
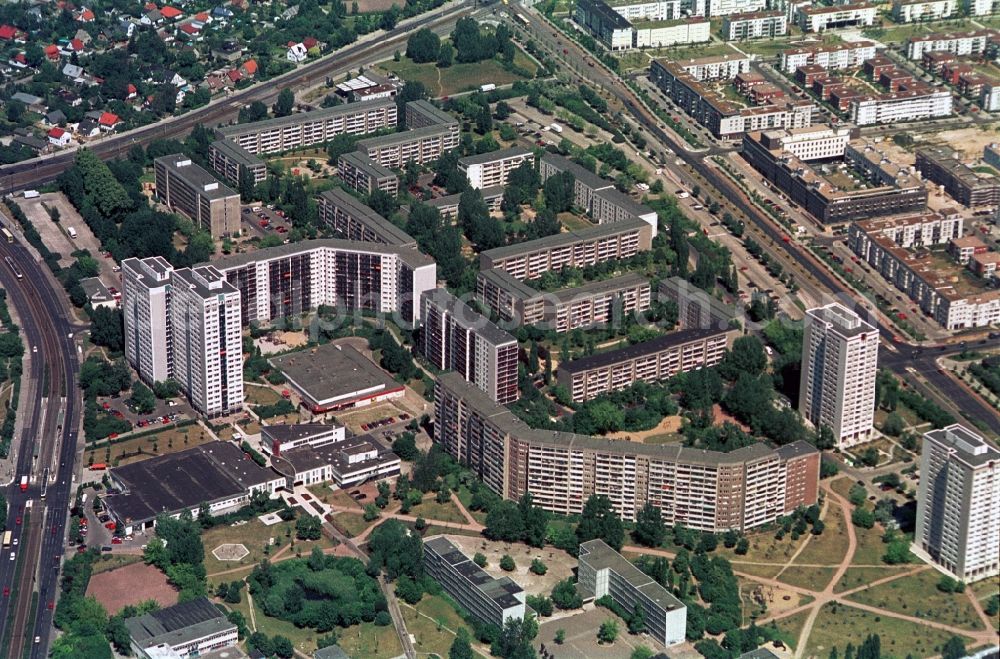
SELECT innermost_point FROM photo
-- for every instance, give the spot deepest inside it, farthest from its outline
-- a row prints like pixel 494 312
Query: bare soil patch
pixel 131 584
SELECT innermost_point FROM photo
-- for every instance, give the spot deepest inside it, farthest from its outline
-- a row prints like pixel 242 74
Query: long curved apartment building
pixel 705 490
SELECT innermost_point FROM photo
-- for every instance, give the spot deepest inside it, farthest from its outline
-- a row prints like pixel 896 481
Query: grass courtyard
pixel 917 595
pixel 459 77
pixel 838 625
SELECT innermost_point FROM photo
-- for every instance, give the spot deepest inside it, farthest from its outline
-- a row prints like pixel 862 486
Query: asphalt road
pixel 39 171
pixel 900 357
pixel 48 442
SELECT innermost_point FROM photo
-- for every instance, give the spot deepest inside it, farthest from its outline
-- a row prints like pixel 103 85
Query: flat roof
pixel 502 591
pixel 359 211
pixel 845 322
pixel 335 454
pixel 194 175
pixel 95 289
pixel 664 342
pixel 566 238
pixel 333 374
pixel 409 255
pixel 431 111
pixel 599 556
pixel 361 161
pixel 494 156
pixel 622 200
pixel 235 152
pixel 968 446
pixel 178 624
pixel 296 431
pixel 412 135
pixel 579 172
pixel 463 314
pixel 183 480
pixel 306 117
pixel 619 283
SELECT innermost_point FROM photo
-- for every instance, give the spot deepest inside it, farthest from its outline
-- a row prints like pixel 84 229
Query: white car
pixel 13 555
pixel 34 348
pixel 15 542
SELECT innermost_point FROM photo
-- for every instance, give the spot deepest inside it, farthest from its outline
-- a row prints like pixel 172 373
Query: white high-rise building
pixel 145 304
pixel 207 339
pixel 958 504
pixel 839 363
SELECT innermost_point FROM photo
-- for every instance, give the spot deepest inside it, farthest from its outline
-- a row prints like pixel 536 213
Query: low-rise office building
pixel 182 631
pixel 353 220
pixel 941 164
pixel 187 188
pixel 593 304
pixel 754 25
pixel 305 128
pixel 570 249
pixel 493 601
pixel 961 44
pixel 704 490
pixel 486 170
pixel 228 159
pixel 911 11
pixel 364 175
pixel 819 18
pixel 289 280
pixel 604 572
pixel 457 338
pixel 336 377
pixel 651 361
pixel 849 55
pixel 313 454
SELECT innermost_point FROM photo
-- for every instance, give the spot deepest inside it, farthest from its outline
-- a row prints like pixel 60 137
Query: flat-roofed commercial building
pixel 190 629
pixel 486 170
pixel 958 504
pixel 228 159
pixel 592 304
pixel 651 361
pixel 353 220
pixel 754 25
pixel 305 128
pixel 941 164
pixel 289 280
pixel 493 601
pixel 603 571
pixel 839 364
pixel 457 338
pixel 335 377
pixel 185 187
pixel 819 18
pixel 313 453
pixel 704 490
pixel 420 145
pixel 364 175
pixel 571 249
pixel 146 312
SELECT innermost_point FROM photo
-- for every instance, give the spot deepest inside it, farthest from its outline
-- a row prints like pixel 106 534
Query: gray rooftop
pixel 843 321
pixel 331 372
pixel 494 156
pixel 152 271
pixel 599 556
pixel 335 454
pixel 622 200
pixel 620 283
pixel 304 117
pixel 186 170
pixel 502 591
pixel 431 112
pixel 408 255
pixel 205 280
pixel 628 353
pixel 352 206
pixel 295 431
pixel 579 172
pixel 360 161
pixel 236 153
pixel 565 238
pixel 391 139
pixel 95 290
pixel 463 314
pixel 178 624
pixel 968 446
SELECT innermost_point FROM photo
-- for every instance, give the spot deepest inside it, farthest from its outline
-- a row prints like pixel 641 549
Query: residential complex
pixel 314 454
pixel 941 165
pixel 420 145
pixel 845 55
pixel 228 159
pixel 958 504
pixel 913 102
pixel 305 128
pixel 651 361
pixel 457 338
pixel 570 249
pixel 890 189
pixel 696 309
pixel 912 11
pixel 839 365
pixel 486 170
pixel 590 305
pixel 185 325
pixel 964 43
pixel 819 18
pixel 704 490
pixel 185 187
pixel 289 280
pixel 603 571
pixel 754 25
pixel 628 24
pixel 714 67
pixel 190 629
pixel 365 176
pixel 493 601
pixel 353 220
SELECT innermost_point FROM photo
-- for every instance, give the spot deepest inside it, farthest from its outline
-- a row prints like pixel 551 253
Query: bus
pixel 13 266
pixel 521 19
pixel 8 236
pixel 7 539
pixel 45 482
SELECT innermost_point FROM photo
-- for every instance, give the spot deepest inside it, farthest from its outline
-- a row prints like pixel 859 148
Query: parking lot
pixel 265 221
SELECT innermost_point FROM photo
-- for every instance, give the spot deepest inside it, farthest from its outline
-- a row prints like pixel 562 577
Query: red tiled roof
pixel 57 132
pixel 309 42
pixel 21 58
pixel 170 12
pixel 76 44
pixel 187 28
pixel 108 119
pixel 234 75
pixel 250 66
pixel 150 6
pixel 7 32
pixel 202 16
pixel 86 15
pixel 131 88
pixel 52 51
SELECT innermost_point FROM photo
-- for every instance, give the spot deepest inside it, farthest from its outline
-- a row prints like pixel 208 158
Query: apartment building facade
pixel 663 34
pixel 290 280
pixel 305 128
pixel 909 105
pixel 839 365
pixel 911 11
pixel 353 220
pixel 754 25
pixel 228 159
pixel 704 490
pixel 456 338
pixel 585 182
pixel 651 361
pixel 486 170
pixel 365 176
pixel 942 165
pixel 907 231
pixel 818 18
pixel 570 249
pixel 958 504
pixel 718 8
pixel 187 188
pixel 145 309
pixel 831 56
pixel 420 145
pixel 960 44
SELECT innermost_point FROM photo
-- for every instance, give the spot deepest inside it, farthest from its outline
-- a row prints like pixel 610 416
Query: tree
pixel 461 648
pixel 559 192
pixel 106 328
pixel 641 651
pixel 599 520
pixel 423 46
pixel 564 595
pixel 247 185
pixel 285 102
pixel 560 636
pixel 15 111
pixel 538 567
pixel 857 495
pixel 650 530
pixel 507 563
pixel 371 512
pixel 608 631
pixel 480 559
pixel 504 522
pixel 637 621
pixel 393 549
pixel 446 56
pixel 308 527
pixel 954 648
pixel 746 356
pixel 514 640
pixel 143 398
pixel 405 446
pixel 282 647
pixel 863 518
pixel 897 552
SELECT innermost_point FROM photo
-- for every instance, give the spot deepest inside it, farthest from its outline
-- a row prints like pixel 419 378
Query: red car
pixel 110 526
pixel 6 591
pixel 17 521
pixel 116 541
pixel 81 549
pixel 52 605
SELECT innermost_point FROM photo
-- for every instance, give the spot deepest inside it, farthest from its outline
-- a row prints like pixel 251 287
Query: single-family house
pixel 52 52
pixel 190 32
pixel 88 128
pixel 249 68
pixel 7 32
pixel 234 75
pixel 31 142
pixel 59 137
pixel 32 102
pixel 152 17
pixel 83 37
pixel 85 16
pixel 18 61
pixel 109 122
pixel 222 12
pixel 56 118
pixel 171 13
pixel 297 52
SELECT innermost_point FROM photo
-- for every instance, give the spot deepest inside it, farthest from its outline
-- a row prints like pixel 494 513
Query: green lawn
pixel 791 626
pixel 350 524
pixel 465 496
pixel 917 595
pixel 430 509
pixel 257 395
pixel 370 640
pixel 458 77
pixel 870 547
pixel 304 640
pixel 574 222
pixel 433 622
pixel 831 545
pixel 859 576
pixel 812 578
pixel 253 535
pixel 838 625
